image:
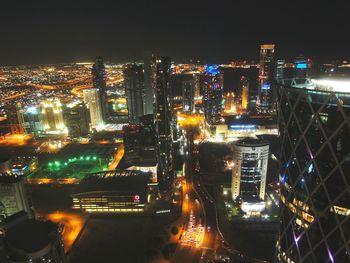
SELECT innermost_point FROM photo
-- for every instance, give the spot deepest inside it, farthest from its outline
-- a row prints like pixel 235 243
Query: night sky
pixel 213 31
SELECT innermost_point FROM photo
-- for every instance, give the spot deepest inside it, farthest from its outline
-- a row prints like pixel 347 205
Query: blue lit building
pixel 213 93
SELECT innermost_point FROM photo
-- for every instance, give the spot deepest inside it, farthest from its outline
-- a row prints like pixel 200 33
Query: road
pixel 117 157
pixel 198 239
pixel 73 224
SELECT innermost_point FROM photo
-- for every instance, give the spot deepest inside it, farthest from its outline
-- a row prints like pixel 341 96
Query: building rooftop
pixel 118 181
pixel 251 142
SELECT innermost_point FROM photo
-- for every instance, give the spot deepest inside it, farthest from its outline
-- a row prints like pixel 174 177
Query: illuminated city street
pixel 72 226
pixel 175 132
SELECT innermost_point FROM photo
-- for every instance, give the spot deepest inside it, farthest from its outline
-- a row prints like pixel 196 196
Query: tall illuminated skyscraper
pixel 244 84
pixel 51 111
pixel 314 173
pixel 188 96
pixel 92 100
pixel 99 82
pixel 214 85
pixel 149 77
pixel 163 119
pixel 266 78
pixel 279 73
pixel 135 92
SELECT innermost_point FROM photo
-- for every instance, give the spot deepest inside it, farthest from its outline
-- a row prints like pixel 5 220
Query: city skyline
pixel 36 33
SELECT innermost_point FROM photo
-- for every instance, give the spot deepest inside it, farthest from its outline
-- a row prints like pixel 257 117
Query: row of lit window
pixel 116 210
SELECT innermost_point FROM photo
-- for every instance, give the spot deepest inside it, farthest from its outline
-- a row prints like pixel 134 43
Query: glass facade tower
pixel 314 174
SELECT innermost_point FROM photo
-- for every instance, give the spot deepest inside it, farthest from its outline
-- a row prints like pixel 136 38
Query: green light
pixel 88 158
pixel 50 164
pixel 94 157
pixel 65 164
pixel 57 163
pixel 81 157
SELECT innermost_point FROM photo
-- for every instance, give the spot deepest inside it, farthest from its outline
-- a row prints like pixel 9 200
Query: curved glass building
pixel 314 123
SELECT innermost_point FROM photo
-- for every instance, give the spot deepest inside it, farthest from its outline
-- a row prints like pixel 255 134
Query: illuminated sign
pixel 301 66
pixel 136 199
pixel 265 86
pixel 243 127
pixel 212 69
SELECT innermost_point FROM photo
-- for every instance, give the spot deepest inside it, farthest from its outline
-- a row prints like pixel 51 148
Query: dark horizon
pixel 51 33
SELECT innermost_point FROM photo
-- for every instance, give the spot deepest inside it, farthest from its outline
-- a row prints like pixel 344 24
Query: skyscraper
pixel 244 84
pixel 213 93
pixel 92 100
pixel 188 96
pixel 51 111
pixel 99 83
pixel 250 157
pixel 15 118
pixel 163 119
pixel 77 119
pixel 279 73
pixel 266 78
pixel 149 76
pixel 314 174
pixel 131 138
pixel 135 92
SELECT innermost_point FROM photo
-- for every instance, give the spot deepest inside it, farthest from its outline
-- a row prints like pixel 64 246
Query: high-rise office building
pixel 33 120
pixel 13 196
pixel 279 71
pixel 77 119
pixel 28 240
pixel 314 173
pixel 15 118
pixel 213 93
pixel 99 82
pixel 244 85
pixel 131 138
pixel 250 157
pixel 51 111
pixel 188 96
pixel 197 85
pixel 163 123
pixel 135 92
pixel 92 101
pixel 149 77
pixel 148 139
pixel 266 100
